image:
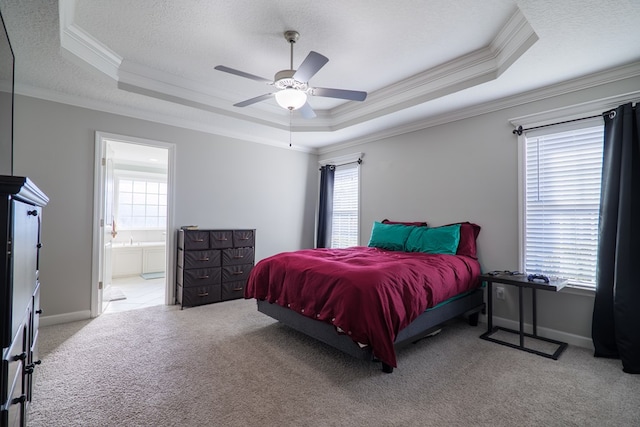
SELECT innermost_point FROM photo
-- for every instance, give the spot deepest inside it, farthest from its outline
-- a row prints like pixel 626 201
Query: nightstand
pixel 521 282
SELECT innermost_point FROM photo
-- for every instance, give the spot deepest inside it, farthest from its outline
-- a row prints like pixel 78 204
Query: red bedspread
pixel 368 293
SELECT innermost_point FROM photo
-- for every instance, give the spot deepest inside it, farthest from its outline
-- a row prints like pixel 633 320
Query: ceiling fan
pixel 293 85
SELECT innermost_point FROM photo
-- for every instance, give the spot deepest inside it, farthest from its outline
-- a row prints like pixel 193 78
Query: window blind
pixel 562 199
pixel 344 232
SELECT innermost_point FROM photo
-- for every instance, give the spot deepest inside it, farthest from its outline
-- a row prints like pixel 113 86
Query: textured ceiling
pixel 417 59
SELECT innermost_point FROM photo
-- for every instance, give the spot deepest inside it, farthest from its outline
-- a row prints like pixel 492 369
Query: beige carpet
pixel 228 365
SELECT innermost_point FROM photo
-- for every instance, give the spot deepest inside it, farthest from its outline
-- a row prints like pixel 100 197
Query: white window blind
pixel 561 204
pixel 344 231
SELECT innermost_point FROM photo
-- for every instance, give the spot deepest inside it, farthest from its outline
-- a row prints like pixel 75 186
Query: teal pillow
pixel 389 236
pixel 434 240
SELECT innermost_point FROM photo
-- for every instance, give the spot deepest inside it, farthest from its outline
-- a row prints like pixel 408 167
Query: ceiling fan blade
pixel 241 74
pixel 253 100
pixel 306 111
pixel 352 95
pixel 310 66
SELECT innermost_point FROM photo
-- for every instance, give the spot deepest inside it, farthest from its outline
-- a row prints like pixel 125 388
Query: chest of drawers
pixel 213 265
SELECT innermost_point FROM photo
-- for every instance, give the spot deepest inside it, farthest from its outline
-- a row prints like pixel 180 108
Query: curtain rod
pixel 519 129
pixel 359 161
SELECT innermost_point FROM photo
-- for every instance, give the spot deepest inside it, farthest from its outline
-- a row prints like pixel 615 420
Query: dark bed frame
pixel 428 322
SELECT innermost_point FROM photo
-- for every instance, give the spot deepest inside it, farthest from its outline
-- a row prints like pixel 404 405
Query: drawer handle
pixel 204 259
pixel 198 240
pixel 238 289
pixel 20 399
pixel 238 257
pixel 222 239
pixel 237 273
pixel 203 277
pixel 244 238
pixel 21 356
pixel 204 294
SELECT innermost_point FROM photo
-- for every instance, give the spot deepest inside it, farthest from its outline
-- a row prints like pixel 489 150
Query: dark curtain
pixel 325 206
pixel 616 312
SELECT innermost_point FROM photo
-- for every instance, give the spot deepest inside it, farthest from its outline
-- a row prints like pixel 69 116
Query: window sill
pixel 579 290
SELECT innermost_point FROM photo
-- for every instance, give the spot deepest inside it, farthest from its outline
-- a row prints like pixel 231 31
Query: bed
pixel 369 301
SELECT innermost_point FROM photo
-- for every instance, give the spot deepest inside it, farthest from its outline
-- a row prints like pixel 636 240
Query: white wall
pixel 468 170
pixel 220 183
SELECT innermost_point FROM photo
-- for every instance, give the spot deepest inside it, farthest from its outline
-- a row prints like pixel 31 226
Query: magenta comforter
pixel 368 293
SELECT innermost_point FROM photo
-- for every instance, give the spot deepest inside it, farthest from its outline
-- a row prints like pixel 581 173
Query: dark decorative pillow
pixel 468 235
pixel 414 224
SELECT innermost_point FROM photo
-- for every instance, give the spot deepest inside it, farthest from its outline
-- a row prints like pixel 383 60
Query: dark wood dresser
pixel 21 205
pixel 213 265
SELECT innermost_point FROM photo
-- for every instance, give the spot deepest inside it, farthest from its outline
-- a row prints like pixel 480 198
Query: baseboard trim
pixel 57 319
pixel 571 339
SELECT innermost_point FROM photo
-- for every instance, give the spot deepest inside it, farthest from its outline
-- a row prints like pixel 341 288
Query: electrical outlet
pixel 500 292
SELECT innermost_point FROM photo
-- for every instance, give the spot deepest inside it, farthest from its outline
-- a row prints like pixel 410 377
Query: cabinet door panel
pixel 24 254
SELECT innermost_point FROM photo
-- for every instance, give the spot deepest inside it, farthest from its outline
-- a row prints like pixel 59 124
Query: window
pixel 562 174
pixel 344 231
pixel 141 203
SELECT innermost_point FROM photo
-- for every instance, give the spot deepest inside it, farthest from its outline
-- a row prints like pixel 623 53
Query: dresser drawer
pixel 237 256
pixel 221 239
pixel 233 290
pixel 199 295
pixel 194 239
pixel 199 259
pixel 199 277
pixel 236 273
pixel 243 238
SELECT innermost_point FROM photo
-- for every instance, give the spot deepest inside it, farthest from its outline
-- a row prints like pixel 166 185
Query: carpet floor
pixel 226 364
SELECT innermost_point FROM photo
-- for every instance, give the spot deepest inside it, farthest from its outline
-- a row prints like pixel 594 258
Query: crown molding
pixel 474 68
pixel 469 70
pixel 586 82
pixel 169 120
pixel 81 44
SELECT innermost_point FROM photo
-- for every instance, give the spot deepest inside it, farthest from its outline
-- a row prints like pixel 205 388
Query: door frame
pixel 98 207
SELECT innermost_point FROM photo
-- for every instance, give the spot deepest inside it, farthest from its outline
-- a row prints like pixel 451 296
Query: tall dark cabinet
pixel 21 204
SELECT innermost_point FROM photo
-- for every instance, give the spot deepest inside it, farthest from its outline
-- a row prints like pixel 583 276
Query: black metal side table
pixel 520 280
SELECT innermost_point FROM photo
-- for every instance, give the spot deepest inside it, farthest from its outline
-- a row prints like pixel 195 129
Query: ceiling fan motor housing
pixel 284 79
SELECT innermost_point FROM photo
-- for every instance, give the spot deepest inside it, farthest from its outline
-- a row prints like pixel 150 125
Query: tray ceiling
pixel 419 61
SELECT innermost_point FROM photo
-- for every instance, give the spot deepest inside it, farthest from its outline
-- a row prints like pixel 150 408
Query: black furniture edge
pixel 22 188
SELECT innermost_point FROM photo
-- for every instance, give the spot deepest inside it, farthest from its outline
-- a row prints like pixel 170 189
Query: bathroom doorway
pixel 135 199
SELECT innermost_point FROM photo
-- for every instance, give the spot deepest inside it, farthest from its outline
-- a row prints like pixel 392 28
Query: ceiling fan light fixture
pixel 291 99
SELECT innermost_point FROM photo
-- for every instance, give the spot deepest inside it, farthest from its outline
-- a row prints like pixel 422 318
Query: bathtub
pixel 130 259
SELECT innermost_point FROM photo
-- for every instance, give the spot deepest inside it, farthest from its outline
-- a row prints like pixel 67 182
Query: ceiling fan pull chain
pixel 290 119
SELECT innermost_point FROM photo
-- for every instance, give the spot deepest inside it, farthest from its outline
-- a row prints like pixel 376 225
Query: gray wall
pixel 468 171
pixel 220 183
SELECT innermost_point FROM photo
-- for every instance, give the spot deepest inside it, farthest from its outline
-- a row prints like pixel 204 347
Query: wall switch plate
pixel 500 292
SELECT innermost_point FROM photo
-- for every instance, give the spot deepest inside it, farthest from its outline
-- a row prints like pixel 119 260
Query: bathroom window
pixel 141 203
